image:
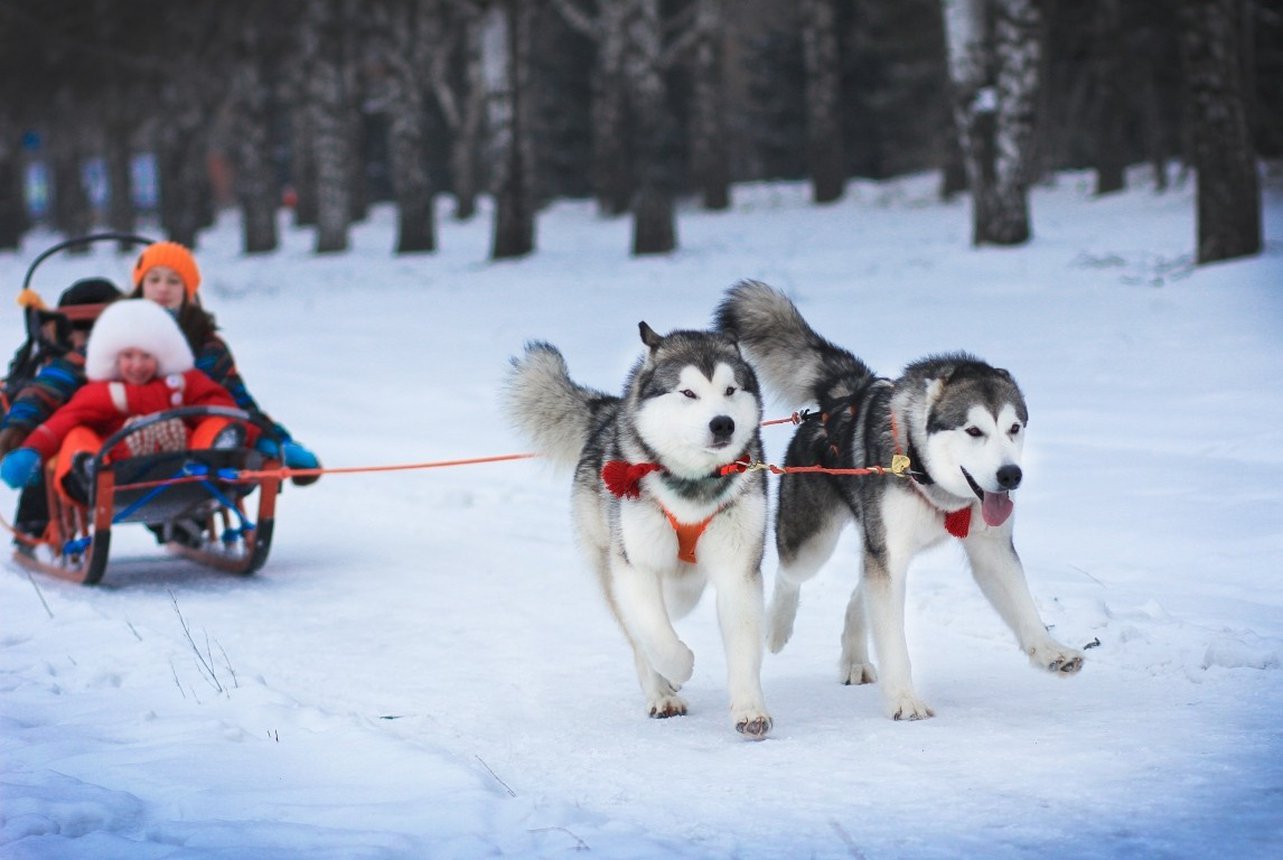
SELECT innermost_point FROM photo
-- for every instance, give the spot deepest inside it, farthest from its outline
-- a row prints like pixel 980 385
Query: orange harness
pixel 688 534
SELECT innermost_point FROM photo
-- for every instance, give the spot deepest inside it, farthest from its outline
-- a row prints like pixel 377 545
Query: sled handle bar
pixel 82 240
pixel 256 418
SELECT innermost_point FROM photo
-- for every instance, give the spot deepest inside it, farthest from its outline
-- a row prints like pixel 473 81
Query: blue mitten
pixel 20 467
pixel 295 456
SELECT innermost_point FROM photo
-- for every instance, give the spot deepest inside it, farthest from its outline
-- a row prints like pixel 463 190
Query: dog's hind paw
pixel 667 706
pixel 1056 658
pixel 857 673
pixel 754 727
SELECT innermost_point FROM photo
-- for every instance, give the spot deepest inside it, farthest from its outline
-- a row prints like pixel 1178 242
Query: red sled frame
pixel 200 487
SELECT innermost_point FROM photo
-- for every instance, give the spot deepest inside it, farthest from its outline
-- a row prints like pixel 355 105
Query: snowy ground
pixel 425 669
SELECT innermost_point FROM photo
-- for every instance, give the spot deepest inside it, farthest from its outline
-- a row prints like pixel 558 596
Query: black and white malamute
pixel 654 511
pixel 961 423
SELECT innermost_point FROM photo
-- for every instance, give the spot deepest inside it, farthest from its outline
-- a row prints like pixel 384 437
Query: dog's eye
pixel 686 392
pixel 975 432
pixel 1015 428
pixel 730 389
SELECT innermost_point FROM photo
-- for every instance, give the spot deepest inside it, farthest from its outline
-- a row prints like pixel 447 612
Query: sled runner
pixel 193 500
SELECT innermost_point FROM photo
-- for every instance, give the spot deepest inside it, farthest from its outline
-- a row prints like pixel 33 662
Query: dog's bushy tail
pixel 549 408
pixel 792 359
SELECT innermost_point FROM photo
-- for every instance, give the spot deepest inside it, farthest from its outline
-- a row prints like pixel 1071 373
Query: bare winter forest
pixel 123 113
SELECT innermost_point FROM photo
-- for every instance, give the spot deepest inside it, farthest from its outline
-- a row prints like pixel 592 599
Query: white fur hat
pixel 140 324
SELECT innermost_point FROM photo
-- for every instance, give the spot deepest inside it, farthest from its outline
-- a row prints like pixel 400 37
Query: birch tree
pixel 994 52
pixel 1229 195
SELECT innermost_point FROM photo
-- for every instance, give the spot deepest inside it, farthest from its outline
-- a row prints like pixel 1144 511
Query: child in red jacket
pixel 137 363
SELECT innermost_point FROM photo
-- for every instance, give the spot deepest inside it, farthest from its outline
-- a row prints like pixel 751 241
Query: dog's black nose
pixel 1009 477
pixel 723 426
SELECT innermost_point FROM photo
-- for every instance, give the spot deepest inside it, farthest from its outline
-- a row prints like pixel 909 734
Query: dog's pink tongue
pixel 996 507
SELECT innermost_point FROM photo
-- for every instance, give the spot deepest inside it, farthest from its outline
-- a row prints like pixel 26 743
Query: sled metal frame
pixel 79 536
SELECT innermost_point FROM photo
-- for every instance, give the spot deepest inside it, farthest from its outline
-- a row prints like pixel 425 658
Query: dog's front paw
pixel 676 664
pixel 754 725
pixel 857 673
pixel 663 707
pixel 907 706
pixel 1056 658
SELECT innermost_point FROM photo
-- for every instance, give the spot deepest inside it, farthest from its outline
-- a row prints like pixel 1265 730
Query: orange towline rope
pixel 283 472
pixel 402 467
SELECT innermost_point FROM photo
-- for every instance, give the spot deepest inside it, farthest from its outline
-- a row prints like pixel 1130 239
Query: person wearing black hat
pixel 53 384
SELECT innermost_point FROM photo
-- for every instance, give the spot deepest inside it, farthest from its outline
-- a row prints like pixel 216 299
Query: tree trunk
pixel 119 118
pixel 465 111
pixel 121 215
pixel 823 100
pixel 328 118
pixel 1109 70
pixel 255 183
pixel 709 156
pixel 351 34
pixel 654 228
pixel 71 203
pixel 611 171
pixel 995 89
pixel 303 161
pixel 408 33
pixel 514 233
pixel 1018 49
pixel 1229 195
pixel 1154 136
pixel 612 168
pixel 13 215
pixel 71 211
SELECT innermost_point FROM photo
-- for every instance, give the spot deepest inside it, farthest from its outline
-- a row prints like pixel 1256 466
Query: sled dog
pixel 960 422
pixel 653 509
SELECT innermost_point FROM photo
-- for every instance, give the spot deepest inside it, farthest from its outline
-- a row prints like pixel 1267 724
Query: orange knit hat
pixel 173 255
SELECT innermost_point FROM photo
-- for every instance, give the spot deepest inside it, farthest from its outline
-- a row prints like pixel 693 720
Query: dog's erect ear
pixel 648 336
pixel 935 387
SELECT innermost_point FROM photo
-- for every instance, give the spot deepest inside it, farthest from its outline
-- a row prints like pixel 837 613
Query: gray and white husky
pixel 653 510
pixel 961 423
